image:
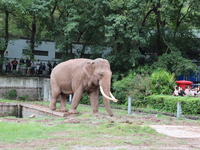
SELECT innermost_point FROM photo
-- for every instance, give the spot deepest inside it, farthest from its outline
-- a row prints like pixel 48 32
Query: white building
pixel 44 52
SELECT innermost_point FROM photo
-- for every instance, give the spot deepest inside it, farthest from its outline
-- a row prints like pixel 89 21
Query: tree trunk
pixel 6 39
pixel 32 41
pixel 158 20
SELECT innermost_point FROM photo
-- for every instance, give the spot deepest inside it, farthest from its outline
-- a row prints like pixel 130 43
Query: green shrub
pixel 24 97
pixel 162 82
pixel 85 99
pixel 11 94
pixel 121 88
pixel 189 105
pixel 142 83
pixel 135 85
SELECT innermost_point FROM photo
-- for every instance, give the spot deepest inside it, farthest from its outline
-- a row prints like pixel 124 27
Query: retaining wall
pixel 36 87
pixel 24 110
pixel 8 110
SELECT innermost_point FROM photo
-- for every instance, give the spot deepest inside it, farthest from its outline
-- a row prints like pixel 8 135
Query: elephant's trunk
pixel 106 99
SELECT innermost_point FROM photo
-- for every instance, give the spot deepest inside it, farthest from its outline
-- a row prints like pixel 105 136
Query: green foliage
pixel 85 99
pixel 189 105
pixel 174 62
pixel 135 85
pixel 162 82
pixel 24 97
pixel 11 94
pixel 128 28
pixel 142 83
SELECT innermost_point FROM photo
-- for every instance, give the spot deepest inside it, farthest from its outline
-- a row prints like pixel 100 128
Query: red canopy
pixel 184 83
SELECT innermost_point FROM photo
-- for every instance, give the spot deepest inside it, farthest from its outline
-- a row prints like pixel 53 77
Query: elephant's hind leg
pixel 63 102
pixel 55 93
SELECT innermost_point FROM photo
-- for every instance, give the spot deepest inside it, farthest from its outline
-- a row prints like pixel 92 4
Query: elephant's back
pixel 66 68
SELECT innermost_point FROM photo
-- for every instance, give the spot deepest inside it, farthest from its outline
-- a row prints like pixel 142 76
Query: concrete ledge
pixel 35 107
pixel 45 110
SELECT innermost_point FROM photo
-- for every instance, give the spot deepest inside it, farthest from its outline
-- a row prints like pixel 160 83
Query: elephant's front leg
pixel 52 104
pixel 75 102
pixel 94 100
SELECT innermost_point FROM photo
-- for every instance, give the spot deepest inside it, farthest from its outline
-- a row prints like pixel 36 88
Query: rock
pixel 32 116
pixel 112 121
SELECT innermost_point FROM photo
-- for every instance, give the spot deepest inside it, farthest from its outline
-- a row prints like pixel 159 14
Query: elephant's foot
pixel 111 115
pixel 63 110
pixel 97 114
pixel 73 111
pixel 52 106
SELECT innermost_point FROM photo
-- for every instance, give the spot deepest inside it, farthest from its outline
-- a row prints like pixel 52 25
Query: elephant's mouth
pixel 109 98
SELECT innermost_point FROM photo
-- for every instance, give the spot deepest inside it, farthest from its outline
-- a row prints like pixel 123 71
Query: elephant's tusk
pixel 112 96
pixel 102 92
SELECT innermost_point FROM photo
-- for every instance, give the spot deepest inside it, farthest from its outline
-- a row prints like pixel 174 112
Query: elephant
pixel 78 76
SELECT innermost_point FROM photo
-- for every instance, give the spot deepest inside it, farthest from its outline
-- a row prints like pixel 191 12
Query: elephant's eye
pixel 101 74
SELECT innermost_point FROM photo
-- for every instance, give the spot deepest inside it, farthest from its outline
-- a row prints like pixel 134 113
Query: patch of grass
pixel 12 132
pixel 81 134
pixel 6 100
pixel 86 130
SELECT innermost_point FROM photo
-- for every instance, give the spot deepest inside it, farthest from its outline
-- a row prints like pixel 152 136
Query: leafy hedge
pixel 189 105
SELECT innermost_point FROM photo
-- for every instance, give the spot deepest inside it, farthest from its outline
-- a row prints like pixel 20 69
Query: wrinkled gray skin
pixel 77 76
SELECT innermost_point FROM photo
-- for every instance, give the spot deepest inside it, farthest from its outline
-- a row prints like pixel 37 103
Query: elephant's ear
pixel 88 68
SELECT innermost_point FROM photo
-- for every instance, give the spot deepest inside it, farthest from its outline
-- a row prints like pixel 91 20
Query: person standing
pixel 49 67
pixel 176 91
pixel 181 92
pixel 43 69
pixel 187 90
pixel 8 67
pixel 40 69
pixel 14 64
pixel 21 62
pixel 32 70
pixel 37 67
pixel 54 64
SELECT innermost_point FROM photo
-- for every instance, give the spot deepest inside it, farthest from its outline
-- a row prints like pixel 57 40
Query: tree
pixel 171 23
pixel 79 22
pixel 30 21
pixel 7 8
pixel 174 62
pixel 130 28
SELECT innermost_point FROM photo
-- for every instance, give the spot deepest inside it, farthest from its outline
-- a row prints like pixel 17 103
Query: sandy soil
pixel 178 131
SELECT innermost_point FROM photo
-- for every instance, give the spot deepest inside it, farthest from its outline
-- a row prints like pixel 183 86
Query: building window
pixel 58 55
pixel 36 52
pixel 41 53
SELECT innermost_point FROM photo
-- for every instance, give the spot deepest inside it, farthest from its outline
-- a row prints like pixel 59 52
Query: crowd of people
pixel 28 67
pixel 188 91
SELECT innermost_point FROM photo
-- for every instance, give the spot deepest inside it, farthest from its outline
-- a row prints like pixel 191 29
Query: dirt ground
pixel 189 131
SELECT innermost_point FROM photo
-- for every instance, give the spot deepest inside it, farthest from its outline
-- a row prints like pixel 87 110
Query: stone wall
pixel 36 87
pixel 8 110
